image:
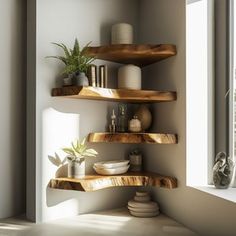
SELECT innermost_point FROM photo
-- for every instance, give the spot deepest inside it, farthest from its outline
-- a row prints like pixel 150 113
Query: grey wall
pixel 204 213
pixel 12 105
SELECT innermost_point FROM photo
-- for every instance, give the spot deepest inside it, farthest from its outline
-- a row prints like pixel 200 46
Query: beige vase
pixel 145 116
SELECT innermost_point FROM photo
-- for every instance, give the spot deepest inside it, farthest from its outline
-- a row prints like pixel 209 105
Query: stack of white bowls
pixel 142 206
pixel 116 167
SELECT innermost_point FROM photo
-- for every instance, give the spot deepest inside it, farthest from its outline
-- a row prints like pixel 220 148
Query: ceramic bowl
pixel 142 198
pixel 111 164
pixel 143 210
pixel 111 171
pixel 146 205
pixel 144 214
pixel 142 193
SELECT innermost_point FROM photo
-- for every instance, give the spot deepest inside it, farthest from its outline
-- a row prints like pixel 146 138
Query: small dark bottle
pixel 122 124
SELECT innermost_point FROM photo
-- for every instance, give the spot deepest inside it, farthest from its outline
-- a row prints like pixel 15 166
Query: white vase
pixel 76 169
pixel 122 33
pixel 130 77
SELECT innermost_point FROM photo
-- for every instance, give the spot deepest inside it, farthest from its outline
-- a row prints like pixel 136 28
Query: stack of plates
pixel 142 206
pixel 111 167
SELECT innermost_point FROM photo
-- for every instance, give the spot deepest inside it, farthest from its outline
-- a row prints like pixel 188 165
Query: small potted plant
pixel 76 158
pixel 76 63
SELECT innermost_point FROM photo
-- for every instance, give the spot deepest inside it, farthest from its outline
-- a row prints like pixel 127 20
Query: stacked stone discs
pixel 142 206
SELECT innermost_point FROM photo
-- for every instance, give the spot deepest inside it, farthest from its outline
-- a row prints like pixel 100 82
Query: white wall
pixel 204 213
pixel 161 21
pixel 12 99
pixel 62 21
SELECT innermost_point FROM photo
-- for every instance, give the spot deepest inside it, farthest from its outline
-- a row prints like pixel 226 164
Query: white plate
pixel 144 214
pixel 116 171
pixel 143 210
pixel 142 198
pixel 111 164
pixel 145 205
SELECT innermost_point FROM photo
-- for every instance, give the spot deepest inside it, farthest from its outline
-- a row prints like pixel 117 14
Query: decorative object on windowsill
pixel 112 126
pixel 145 116
pixel 135 125
pixel 135 159
pixel 142 206
pixel 76 63
pixel 122 118
pixel 122 33
pixel 103 76
pixel 115 167
pixel 129 77
pixel 76 158
pixel 222 171
pixel 92 75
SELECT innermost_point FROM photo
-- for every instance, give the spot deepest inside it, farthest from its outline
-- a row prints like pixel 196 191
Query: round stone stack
pixel 142 206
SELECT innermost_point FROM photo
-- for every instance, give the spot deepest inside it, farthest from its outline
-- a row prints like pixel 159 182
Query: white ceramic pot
pixel 130 77
pixel 76 169
pixel 122 33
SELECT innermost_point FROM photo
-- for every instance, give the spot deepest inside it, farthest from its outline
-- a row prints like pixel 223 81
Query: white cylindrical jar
pixel 129 77
pixel 122 33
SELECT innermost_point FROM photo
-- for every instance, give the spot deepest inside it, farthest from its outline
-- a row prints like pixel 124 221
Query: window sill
pixel 226 194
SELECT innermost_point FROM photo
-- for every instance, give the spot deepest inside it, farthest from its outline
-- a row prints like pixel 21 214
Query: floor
pixel 107 223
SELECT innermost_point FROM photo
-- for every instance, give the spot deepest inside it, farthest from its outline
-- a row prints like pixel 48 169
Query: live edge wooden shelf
pixel 140 55
pixel 95 93
pixel 97 182
pixel 150 138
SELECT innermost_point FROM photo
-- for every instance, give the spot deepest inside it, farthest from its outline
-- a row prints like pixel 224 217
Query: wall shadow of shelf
pixel 140 55
pixel 150 138
pixel 96 182
pixel 106 94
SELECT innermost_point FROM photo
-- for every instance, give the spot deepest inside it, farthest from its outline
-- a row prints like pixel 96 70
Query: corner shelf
pixel 96 182
pixel 106 94
pixel 140 55
pixel 150 138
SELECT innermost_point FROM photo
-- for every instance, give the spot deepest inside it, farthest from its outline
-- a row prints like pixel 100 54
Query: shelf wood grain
pixel 106 94
pixel 150 138
pixel 140 55
pixel 96 182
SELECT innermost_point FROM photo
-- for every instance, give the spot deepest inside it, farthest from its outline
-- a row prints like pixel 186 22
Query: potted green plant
pixel 76 63
pixel 76 158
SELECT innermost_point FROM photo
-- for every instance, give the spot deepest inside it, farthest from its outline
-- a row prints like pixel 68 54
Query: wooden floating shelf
pixel 106 94
pixel 140 55
pixel 97 182
pixel 150 138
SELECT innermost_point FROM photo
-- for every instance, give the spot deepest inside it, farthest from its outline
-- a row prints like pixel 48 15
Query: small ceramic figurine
pixel 222 171
pixel 112 126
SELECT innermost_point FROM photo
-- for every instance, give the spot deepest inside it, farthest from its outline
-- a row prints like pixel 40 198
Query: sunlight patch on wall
pixel 59 130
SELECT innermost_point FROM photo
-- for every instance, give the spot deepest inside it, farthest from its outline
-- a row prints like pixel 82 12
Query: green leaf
pixel 69 151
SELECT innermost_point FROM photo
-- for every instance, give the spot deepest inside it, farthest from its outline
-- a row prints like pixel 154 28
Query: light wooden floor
pixel 107 223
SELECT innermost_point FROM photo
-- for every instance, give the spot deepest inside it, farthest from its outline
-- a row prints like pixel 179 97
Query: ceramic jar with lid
pixel 122 33
pixel 129 77
pixel 135 125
